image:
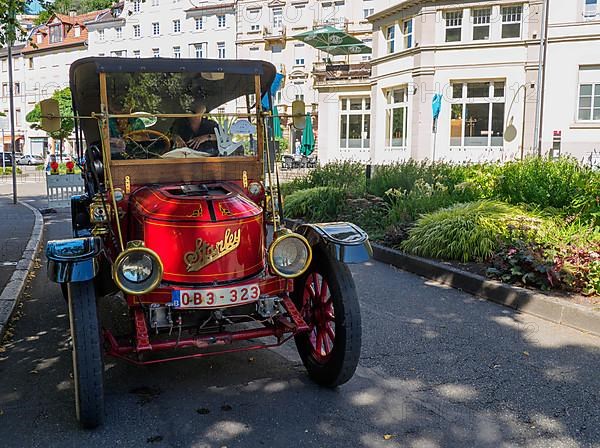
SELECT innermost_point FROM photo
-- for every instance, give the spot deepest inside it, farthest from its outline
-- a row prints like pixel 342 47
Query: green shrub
pixel 470 231
pixel 8 171
pixel 349 176
pixel 315 204
pixel 405 175
pixel 542 182
pixel 406 206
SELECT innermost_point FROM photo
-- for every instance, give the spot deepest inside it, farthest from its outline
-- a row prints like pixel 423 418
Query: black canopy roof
pixel 237 80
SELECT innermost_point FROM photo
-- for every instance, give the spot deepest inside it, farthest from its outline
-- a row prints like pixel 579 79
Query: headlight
pixel 137 267
pixel 137 270
pixel 289 254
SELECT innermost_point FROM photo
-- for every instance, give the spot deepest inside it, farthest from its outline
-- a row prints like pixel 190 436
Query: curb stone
pixel 11 295
pixel 523 300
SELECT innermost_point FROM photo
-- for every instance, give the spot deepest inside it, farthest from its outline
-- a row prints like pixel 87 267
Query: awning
pixel 7 137
pixel 333 41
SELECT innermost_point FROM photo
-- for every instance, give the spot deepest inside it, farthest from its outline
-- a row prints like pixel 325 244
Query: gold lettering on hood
pixel 206 253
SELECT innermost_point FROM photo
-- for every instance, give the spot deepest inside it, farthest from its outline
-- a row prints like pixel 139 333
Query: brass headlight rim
pixel 127 252
pixel 278 240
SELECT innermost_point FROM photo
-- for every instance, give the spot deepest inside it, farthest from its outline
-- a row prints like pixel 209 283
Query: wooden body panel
pixel 161 171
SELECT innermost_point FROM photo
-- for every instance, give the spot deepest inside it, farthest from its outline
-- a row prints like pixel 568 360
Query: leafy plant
pixel 467 232
pixel 593 279
pixel 315 204
pixel 525 263
pixel 348 176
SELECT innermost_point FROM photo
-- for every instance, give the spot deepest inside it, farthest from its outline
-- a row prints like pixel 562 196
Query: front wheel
pixel 327 300
pixel 88 367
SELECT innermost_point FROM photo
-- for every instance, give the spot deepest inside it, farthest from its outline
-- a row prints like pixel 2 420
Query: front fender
pixel 73 260
pixel 345 241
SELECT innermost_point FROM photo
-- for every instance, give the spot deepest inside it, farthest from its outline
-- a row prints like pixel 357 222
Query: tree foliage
pixel 65 106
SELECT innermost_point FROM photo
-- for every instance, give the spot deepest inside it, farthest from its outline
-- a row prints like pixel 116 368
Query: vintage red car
pixel 181 222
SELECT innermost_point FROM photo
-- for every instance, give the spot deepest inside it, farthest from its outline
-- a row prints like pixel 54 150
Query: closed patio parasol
pixel 308 138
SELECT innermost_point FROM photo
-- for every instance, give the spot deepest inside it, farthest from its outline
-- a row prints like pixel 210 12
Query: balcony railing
pixel 274 33
pixel 325 73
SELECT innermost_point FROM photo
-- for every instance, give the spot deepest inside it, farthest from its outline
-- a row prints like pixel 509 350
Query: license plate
pixel 216 297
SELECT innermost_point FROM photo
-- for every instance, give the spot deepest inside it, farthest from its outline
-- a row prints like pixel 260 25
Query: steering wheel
pixel 139 136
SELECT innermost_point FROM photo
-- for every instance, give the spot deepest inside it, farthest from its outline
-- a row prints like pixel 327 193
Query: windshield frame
pixel 105 131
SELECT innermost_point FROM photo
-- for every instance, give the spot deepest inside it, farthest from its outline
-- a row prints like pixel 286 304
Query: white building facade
pixel 483 58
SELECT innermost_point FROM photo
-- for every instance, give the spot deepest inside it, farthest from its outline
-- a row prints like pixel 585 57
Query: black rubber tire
pixel 88 365
pixel 342 363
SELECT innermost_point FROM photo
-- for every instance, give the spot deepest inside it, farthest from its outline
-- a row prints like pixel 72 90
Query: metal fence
pixel 61 187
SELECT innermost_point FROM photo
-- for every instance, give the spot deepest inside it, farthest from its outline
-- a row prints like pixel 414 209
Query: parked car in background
pixel 7 159
pixel 30 159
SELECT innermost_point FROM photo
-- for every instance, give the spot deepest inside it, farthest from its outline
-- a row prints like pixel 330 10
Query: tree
pixel 10 28
pixel 65 107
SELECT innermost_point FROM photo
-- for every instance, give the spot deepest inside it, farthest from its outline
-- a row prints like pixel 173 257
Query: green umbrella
pixel 308 138
pixel 276 124
pixel 333 41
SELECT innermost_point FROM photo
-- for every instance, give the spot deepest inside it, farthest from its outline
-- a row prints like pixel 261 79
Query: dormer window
pixel 77 30
pixel 39 38
pixel 56 33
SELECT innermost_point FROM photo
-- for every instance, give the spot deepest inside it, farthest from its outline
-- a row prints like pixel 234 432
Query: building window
pixel 453 25
pixel 118 53
pixel 355 123
pixel 590 8
pixel 255 27
pixel 101 35
pixel 477 114
pixel 5 89
pixel 56 33
pixel 137 31
pixel 221 50
pixel 198 50
pixel 299 61
pixel 299 97
pixel 277 18
pixel 589 93
pixel 155 52
pixel 177 26
pixel 119 31
pixel 155 28
pixel 136 53
pixel 221 22
pixel 199 23
pixel 368 12
pixel 30 63
pixel 511 21
pixel 407 33
pixel 177 52
pixel 390 37
pixel 396 118
pixel 77 29
pixel 17 88
pixel 155 2
pixel 136 5
pixel 481 23
pixel 589 102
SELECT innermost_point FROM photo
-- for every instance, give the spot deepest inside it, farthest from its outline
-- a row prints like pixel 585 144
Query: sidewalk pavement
pixel 21 229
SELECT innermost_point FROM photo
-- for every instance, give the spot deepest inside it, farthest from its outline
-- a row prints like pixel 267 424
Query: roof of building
pixel 69 37
pixel 16 50
pixel 398 6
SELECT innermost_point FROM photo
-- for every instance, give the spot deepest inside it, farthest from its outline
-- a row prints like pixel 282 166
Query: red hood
pixel 202 232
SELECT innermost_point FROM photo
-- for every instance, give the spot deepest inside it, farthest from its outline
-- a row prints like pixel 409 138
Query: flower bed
pixel 534 222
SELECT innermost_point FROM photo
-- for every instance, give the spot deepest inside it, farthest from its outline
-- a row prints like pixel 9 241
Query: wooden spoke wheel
pixel 327 300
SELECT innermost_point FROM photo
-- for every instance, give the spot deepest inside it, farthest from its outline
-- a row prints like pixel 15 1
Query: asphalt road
pixel 439 368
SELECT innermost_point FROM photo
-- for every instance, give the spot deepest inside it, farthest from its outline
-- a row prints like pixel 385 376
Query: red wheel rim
pixel 319 314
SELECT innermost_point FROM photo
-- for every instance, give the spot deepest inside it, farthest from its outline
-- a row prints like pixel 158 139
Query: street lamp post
pixel 11 108
pixel 11 112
